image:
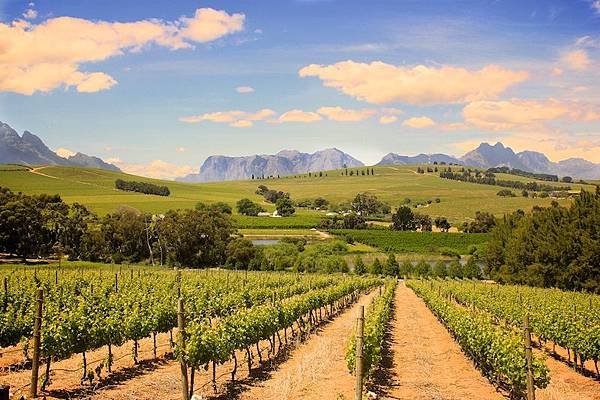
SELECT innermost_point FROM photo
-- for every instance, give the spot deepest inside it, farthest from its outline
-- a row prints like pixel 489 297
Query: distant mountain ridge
pixel 286 162
pixel 488 156
pixel 30 150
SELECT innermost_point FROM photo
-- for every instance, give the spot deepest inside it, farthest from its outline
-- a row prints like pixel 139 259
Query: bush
pixel 506 193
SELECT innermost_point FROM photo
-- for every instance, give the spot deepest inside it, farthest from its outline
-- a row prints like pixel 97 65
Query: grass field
pixel 95 189
pixel 416 242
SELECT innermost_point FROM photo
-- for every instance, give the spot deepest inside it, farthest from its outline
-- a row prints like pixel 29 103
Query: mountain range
pixel 286 162
pixel 29 149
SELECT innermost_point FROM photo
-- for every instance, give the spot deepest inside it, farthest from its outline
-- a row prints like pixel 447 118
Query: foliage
pixel 142 187
pixel 376 319
pixel 497 351
pixel 483 223
pixel 549 247
pixel 414 242
pixel 248 207
pixel 285 207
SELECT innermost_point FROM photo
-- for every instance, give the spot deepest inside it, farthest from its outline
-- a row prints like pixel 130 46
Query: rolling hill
pixel 95 189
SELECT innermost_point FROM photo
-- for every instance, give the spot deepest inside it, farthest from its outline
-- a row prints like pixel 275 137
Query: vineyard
pixel 212 328
pixel 85 309
pixel 488 321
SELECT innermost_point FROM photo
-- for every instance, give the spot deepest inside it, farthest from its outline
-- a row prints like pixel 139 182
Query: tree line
pixel 488 178
pixel 42 225
pixel 549 247
pixel 142 187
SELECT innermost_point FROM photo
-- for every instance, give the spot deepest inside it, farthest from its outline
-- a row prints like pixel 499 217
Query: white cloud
pixel 380 83
pixel 235 118
pixel 65 153
pixel 419 122
pixel 48 55
pixel 180 149
pixel 30 14
pixel 242 123
pixel 154 169
pixel 557 71
pixel 387 119
pixel 518 114
pixel 244 89
pixel 347 115
pixel 576 59
pixel 596 6
pixel 297 116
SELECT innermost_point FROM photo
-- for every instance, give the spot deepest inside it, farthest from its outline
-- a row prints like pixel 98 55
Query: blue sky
pixel 152 85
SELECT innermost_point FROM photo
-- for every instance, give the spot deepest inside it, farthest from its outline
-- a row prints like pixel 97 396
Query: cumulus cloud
pixel 387 119
pixel 381 83
pixel 65 153
pixel 42 57
pixel 298 116
pixel 419 122
pixel 525 114
pixel 154 169
pixel 235 118
pixel 576 59
pixel 30 14
pixel 244 89
pixel 596 6
pixel 347 115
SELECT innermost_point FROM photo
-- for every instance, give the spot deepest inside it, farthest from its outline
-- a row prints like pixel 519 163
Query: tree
pixel 196 238
pixel 376 267
pixel 367 204
pixel 439 269
pixel 248 207
pixel 239 253
pixel 455 270
pixel 422 268
pixel 359 266
pixel 285 207
pixel 391 266
pixel 221 207
pixel 422 222
pixel 403 219
pixel 567 179
pixel 320 202
pixel 406 269
pixel 442 224
pixel 483 222
pixel 471 270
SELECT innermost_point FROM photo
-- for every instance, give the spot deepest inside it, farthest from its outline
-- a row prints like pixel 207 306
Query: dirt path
pixel 426 363
pixel 566 384
pixel 317 368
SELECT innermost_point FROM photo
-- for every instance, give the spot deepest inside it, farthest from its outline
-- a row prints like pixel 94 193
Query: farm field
pixel 415 242
pixel 95 188
pixel 289 336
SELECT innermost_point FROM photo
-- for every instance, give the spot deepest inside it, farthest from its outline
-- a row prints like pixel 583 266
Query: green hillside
pixel 95 189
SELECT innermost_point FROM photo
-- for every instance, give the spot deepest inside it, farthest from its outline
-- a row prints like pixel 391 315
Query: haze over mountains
pixel 29 149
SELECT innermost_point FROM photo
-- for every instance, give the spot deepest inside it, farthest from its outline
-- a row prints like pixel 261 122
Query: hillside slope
pixel 95 188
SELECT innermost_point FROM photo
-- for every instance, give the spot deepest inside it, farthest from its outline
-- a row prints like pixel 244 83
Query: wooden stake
pixel 181 345
pixel 529 358
pixel 359 352
pixel 37 330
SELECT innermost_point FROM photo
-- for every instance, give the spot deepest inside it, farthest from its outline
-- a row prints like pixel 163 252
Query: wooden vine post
pixel 181 345
pixel 37 333
pixel 529 358
pixel 358 369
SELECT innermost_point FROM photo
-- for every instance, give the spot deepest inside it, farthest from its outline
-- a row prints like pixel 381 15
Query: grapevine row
pixel 376 319
pixel 498 352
